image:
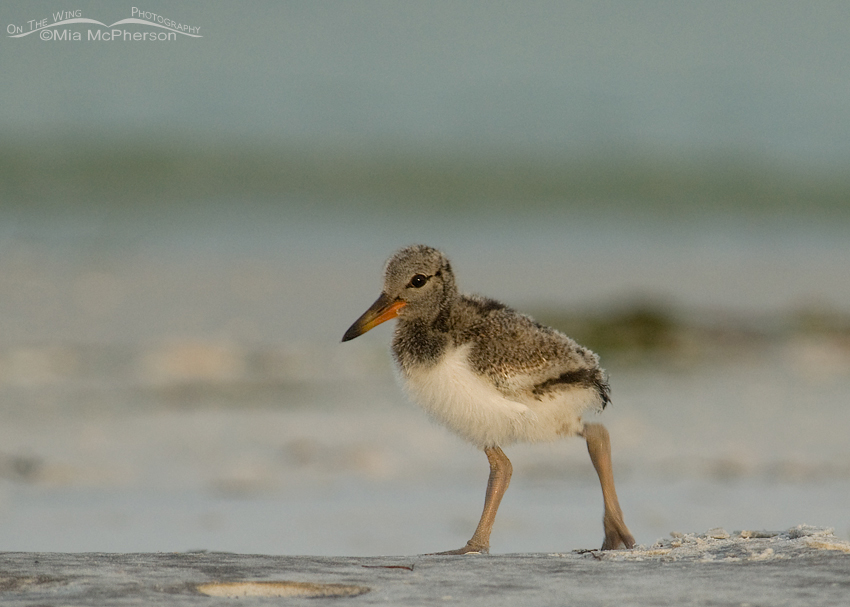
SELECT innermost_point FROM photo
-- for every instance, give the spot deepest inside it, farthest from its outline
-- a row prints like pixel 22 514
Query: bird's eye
pixel 418 281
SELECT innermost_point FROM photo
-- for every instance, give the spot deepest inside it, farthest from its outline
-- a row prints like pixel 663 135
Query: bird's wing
pixel 525 359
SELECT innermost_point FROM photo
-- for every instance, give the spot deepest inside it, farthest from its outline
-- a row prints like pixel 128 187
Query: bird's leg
pixel 497 484
pixel 599 447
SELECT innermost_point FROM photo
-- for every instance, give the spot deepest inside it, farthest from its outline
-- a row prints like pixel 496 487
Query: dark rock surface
pixel 801 566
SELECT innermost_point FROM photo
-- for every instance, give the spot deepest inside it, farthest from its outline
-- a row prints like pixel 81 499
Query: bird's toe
pixel 468 549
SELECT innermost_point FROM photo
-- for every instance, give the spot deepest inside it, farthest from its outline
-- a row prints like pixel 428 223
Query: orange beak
pixel 382 310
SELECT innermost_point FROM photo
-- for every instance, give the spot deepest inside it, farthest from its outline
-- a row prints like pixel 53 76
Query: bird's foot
pixel 468 549
pixel 617 535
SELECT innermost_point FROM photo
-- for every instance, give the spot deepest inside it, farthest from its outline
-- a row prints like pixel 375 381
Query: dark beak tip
pixel 352 332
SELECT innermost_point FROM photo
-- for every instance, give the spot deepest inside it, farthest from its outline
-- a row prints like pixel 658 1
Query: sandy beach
pixel 195 446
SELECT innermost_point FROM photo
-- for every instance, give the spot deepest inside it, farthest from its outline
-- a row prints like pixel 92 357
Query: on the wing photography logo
pixel 72 26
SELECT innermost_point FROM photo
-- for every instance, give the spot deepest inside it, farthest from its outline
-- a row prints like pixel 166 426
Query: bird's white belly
pixel 471 406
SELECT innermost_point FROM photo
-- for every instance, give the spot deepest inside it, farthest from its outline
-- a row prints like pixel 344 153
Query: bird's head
pixel 418 284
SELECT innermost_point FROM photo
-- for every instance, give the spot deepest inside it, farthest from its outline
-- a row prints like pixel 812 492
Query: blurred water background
pixel 187 229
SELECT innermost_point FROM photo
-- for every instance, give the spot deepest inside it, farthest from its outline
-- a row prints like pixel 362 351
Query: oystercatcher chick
pixel 491 375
